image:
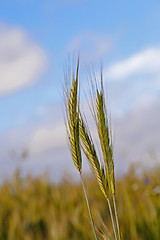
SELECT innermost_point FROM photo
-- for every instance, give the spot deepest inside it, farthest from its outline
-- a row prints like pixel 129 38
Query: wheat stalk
pixel 116 215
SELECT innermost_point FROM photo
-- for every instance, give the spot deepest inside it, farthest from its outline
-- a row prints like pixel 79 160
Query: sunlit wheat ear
pixel 90 152
pixel 102 123
pixel 71 103
pixel 104 133
pixel 72 120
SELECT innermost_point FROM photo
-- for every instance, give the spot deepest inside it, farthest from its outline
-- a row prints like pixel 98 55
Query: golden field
pixel 37 209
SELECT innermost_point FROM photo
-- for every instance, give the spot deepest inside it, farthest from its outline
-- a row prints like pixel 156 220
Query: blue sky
pixel 35 38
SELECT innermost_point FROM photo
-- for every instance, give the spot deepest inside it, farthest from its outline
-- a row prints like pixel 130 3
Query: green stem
pixel 111 214
pixel 116 215
pixel 89 210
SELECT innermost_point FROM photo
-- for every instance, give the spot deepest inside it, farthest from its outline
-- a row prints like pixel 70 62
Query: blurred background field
pixel 38 209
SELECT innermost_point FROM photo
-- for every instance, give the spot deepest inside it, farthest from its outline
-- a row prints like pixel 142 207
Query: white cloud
pixel 145 62
pixel 91 45
pixel 46 148
pixel 46 138
pixel 137 134
pixel 21 60
pixel 134 80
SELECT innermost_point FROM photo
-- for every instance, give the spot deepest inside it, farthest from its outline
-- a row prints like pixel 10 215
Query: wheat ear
pixel 107 148
pixel 90 152
pixel 71 103
pixel 104 136
pixel 98 109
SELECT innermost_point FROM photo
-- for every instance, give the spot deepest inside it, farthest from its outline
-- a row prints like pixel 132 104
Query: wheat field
pixel 38 209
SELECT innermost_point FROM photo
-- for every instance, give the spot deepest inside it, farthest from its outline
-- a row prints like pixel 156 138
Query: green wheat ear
pixel 71 103
pixel 104 132
pixel 104 137
pixel 90 152
pixel 72 120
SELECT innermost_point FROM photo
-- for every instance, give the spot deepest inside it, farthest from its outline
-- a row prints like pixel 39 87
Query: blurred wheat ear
pixel 71 102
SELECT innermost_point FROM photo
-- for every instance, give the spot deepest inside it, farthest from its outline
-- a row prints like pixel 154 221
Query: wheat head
pixel 104 136
pixel 90 152
pixel 72 120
